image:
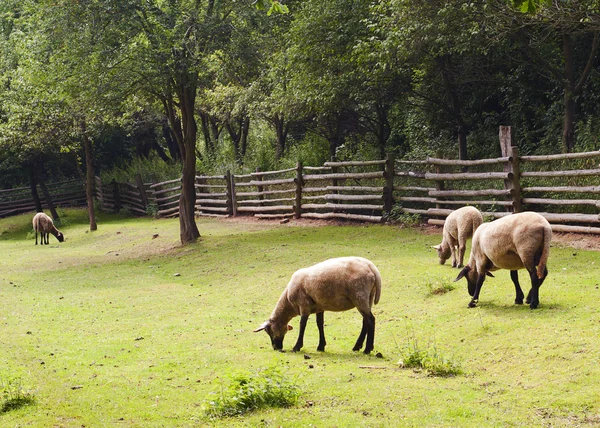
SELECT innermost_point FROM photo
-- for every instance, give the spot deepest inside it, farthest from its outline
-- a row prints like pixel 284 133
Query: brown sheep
pixel 459 226
pixel 513 242
pixel 44 225
pixel 336 284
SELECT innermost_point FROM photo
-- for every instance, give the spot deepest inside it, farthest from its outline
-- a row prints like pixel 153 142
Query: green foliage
pixel 439 286
pixel 397 215
pixel 269 388
pixel 429 359
pixel 14 396
pixel 152 170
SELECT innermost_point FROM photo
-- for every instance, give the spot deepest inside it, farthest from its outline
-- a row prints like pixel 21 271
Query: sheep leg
pixel 533 297
pixel 462 246
pixel 36 237
pixel 370 333
pixel 478 284
pixel 454 260
pixel 514 275
pixel 300 342
pixel 362 335
pixel 320 325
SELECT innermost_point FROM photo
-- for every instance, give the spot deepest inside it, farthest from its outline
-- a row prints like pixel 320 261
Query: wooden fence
pixel 564 188
pixel 70 193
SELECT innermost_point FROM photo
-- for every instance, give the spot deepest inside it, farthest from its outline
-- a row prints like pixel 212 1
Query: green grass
pixel 115 328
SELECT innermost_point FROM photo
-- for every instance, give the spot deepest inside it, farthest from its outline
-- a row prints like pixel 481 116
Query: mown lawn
pixel 117 328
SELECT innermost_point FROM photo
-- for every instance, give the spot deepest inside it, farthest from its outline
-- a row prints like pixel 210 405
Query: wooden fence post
pixel 140 185
pixel 512 183
pixel 231 203
pixel 116 196
pixel 259 188
pixel 299 184
pixel 388 190
pixel 231 194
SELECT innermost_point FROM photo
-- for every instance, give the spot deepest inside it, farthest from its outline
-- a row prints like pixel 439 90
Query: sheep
pixel 513 242
pixel 44 225
pixel 337 284
pixel 458 227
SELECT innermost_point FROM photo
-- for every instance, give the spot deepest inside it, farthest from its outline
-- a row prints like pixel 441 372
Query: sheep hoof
pixel 296 348
pixel 321 349
pixel 533 305
pixel 356 348
pixel 367 351
pixel 460 266
pixel 472 303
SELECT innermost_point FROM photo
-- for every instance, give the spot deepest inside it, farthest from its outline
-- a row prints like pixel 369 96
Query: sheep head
pixel 276 333
pixel 471 275
pixel 60 237
pixel 443 252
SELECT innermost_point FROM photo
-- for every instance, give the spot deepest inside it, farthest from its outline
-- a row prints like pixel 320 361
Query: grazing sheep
pixel 44 225
pixel 513 242
pixel 458 227
pixel 336 284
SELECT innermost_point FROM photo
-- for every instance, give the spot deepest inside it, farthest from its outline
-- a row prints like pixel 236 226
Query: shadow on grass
pixel 16 403
pixel 498 309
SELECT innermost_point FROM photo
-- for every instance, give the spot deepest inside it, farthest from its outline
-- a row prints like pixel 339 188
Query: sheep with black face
pixel 44 225
pixel 336 284
pixel 517 241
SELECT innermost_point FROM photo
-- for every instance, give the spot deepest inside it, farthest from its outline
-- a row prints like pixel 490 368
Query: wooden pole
pixel 512 182
pixel 259 188
pixel 116 196
pixel 140 185
pixel 299 185
pixel 230 198
pixel 388 190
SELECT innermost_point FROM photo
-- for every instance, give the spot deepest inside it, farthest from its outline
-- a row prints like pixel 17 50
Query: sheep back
pixel 462 223
pixel 513 242
pixel 337 284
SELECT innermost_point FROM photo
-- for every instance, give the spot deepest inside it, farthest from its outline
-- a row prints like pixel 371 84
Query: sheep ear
pixel 290 327
pixel 436 247
pixel 262 327
pixel 490 274
pixel 463 272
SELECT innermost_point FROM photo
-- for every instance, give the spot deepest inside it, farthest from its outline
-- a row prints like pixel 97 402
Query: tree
pixel 561 23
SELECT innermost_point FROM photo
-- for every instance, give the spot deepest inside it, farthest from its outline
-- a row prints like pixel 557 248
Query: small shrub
pixel 439 286
pixel 396 215
pixel 13 395
pixel 429 359
pixel 249 392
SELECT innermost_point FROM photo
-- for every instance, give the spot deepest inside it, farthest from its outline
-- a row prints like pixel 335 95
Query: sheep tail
pixel 377 283
pixel 545 252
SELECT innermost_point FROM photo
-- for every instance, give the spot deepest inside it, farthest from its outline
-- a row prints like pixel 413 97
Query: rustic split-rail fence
pixel 564 188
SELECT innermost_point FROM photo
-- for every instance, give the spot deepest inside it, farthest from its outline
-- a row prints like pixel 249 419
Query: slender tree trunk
pixel 34 193
pixel 89 176
pixel 281 131
pixel 571 88
pixel 185 131
pixel 461 127
pixel 244 137
pixel 48 199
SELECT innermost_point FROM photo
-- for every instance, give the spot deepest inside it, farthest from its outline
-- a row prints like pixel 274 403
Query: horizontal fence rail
pixel 564 188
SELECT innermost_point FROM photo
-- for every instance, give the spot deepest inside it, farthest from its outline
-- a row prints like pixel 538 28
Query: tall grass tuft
pixel 13 395
pixel 248 392
pixel 429 359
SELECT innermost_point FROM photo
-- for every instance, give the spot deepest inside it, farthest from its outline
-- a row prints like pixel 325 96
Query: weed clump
pixel 13 395
pixel 248 392
pixel 429 360
pixel 439 287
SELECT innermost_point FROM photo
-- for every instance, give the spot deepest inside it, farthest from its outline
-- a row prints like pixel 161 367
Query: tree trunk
pixel 281 131
pixel 34 193
pixel 185 131
pixel 571 88
pixel 48 199
pixel 89 177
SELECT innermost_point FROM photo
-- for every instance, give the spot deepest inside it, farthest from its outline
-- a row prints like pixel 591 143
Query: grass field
pixel 115 328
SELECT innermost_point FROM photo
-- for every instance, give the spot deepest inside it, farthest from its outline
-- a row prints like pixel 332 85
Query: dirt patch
pixel 580 241
pixel 574 240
